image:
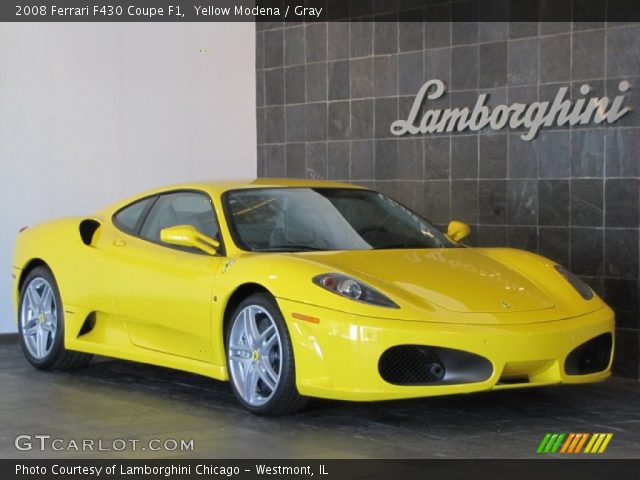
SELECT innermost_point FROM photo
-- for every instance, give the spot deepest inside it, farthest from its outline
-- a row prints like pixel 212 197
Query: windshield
pixel 306 219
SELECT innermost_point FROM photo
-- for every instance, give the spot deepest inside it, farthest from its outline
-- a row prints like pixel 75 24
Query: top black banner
pixel 272 12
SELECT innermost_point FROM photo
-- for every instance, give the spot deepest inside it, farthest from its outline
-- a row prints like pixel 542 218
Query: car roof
pixel 218 187
pixel 221 186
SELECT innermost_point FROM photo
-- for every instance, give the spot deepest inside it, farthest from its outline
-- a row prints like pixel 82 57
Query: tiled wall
pixel 328 92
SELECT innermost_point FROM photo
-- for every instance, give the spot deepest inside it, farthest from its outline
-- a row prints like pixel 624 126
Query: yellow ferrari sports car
pixel 293 289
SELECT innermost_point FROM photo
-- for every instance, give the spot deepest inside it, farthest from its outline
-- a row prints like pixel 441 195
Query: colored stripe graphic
pixel 581 442
pixel 543 443
pixel 550 443
pixel 598 443
pixel 568 442
pixel 573 443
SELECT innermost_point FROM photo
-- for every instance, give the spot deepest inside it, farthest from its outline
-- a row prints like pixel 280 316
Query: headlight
pixel 583 289
pixel 349 287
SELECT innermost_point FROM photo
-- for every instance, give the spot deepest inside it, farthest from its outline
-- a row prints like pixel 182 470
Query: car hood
pixel 455 279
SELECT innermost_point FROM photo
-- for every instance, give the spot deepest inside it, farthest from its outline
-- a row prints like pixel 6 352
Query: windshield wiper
pixel 289 248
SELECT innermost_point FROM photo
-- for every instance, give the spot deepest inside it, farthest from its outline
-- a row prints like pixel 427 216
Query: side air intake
pixel 88 228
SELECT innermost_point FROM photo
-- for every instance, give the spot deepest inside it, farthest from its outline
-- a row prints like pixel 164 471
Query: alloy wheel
pixel 255 355
pixel 39 318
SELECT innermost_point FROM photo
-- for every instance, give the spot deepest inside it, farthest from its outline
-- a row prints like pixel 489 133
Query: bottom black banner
pixel 320 469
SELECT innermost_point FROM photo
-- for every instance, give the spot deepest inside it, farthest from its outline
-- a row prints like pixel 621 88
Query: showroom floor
pixel 115 399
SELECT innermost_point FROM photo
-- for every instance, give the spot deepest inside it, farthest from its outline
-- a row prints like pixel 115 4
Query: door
pixel 162 292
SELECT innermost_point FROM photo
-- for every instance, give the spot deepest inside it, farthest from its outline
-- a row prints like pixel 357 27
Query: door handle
pixel 119 243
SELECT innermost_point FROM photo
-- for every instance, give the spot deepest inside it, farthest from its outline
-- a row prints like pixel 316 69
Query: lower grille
pixel 590 357
pixel 427 365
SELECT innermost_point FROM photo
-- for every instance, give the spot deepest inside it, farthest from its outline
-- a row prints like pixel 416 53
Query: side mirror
pixel 458 230
pixel 189 236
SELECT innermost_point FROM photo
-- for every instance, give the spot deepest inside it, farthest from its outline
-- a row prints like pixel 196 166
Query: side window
pixel 180 208
pixel 127 219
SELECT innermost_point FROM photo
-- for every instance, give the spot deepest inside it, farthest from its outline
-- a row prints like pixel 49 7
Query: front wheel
pixel 260 358
pixel 41 324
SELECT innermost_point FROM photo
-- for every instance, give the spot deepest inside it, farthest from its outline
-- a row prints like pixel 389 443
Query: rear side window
pixel 129 217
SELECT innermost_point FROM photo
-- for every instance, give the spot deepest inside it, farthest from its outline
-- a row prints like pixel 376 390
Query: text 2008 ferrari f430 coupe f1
pixel 294 289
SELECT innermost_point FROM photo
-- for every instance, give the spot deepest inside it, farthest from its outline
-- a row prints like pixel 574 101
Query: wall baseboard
pixel 8 338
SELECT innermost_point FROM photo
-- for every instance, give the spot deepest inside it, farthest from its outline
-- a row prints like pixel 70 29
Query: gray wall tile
pixel 464 68
pixel 385 112
pixel 295 123
pixel 410 72
pixel 339 121
pixel 493 156
pixel 587 202
pixel 385 76
pixel 523 62
pixel 437 158
pixel 583 243
pixel 294 46
pixel 316 120
pixel 316 161
pixel 274 86
pixel 316 82
pixel 338 160
pixel 411 33
pixel 338 40
pixel 385 37
pixel 361 78
pixel 623 150
pixel 362 160
pixel 555 58
pixel 587 55
pixel 410 159
pixel 492 203
pixel 274 160
pixel 623 51
pixel 587 153
pixel 437 64
pixel 386 159
pixel 362 119
pixel 273 48
pixel 553 202
pixel 316 42
pixel 493 65
pixel 464 201
pixel 294 84
pixel 295 160
pixel 522 202
pixel 464 156
pixel 621 202
pixel 361 39
pixel 338 80
pixel 554 154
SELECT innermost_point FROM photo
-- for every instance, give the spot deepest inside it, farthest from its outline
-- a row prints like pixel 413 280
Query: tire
pixel 260 358
pixel 41 324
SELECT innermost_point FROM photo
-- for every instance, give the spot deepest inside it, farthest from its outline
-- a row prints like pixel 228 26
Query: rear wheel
pixel 260 358
pixel 41 324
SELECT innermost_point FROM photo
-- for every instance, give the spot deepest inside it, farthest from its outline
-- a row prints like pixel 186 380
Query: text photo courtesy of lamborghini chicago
pixel 285 238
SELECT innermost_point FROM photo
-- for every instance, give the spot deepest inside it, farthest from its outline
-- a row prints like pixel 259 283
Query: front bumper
pixel 338 357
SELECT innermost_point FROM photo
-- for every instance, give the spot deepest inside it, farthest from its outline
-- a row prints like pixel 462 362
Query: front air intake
pixel 427 365
pixel 590 357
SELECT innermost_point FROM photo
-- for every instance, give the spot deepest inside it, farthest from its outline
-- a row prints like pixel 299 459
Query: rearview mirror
pixel 189 236
pixel 458 230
